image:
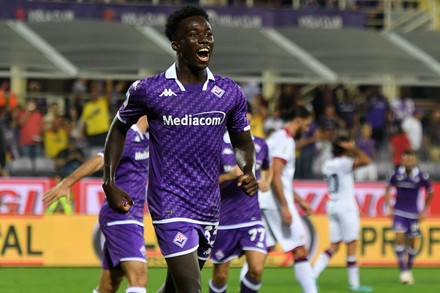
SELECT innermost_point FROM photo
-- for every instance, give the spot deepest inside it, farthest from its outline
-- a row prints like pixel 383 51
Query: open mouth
pixel 203 54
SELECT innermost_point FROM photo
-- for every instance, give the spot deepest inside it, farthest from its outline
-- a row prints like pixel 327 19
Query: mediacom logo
pixel 198 119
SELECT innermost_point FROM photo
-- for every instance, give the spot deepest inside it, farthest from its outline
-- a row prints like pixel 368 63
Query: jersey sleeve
pixel 266 159
pixel 426 182
pixel 134 105
pixel 237 121
pixel 280 149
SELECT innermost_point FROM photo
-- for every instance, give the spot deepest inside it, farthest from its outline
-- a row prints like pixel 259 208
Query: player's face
pixel 409 160
pixel 194 42
pixel 305 124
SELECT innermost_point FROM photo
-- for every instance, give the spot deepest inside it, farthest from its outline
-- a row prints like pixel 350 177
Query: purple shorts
pixel 232 243
pixel 408 226
pixel 122 243
pixel 180 238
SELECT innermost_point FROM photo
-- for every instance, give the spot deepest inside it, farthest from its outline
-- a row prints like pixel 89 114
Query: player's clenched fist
pixel 117 199
pixel 248 183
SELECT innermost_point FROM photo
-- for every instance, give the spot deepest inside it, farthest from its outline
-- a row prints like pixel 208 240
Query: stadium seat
pixel 21 167
pixel 44 167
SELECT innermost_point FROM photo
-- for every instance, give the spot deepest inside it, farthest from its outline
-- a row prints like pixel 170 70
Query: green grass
pixel 276 280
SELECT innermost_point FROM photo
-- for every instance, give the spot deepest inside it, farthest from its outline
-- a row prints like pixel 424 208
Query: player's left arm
pixel 361 158
pixel 245 157
pixel 307 208
pixel 429 194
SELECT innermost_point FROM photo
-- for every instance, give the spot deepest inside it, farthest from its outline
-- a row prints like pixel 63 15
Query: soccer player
pixel 241 230
pixel 408 180
pixel 188 109
pixel 124 246
pixel 280 215
pixel 342 208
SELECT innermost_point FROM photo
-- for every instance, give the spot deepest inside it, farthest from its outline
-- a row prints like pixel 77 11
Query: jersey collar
pixel 171 73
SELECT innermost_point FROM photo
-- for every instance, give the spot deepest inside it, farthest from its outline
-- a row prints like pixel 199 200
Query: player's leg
pixel 185 247
pixel 109 280
pixel 218 283
pixel 303 270
pixel 183 274
pixel 335 231
pixel 252 280
pixel 324 259
pixel 136 273
pixel 413 236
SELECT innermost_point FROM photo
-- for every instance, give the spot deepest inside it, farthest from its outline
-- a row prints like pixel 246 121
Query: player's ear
pixel 175 46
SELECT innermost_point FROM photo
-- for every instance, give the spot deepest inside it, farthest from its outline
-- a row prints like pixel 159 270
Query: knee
pixel 220 277
pixel 256 272
pixel 137 279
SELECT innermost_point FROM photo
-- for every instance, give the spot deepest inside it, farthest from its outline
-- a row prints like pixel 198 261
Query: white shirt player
pixel 342 207
pixel 282 146
pixel 338 173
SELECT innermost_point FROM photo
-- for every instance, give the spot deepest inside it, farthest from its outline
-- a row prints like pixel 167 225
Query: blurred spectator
pixel 259 114
pixel 3 171
pixel 433 133
pixel 287 98
pixel 30 123
pixel 69 159
pixel 366 144
pixel 51 115
pixel 323 147
pixel 348 111
pixel 96 118
pixel 8 100
pixel 250 89
pixel 399 143
pixel 55 138
pixel 402 106
pixel 324 96
pixel 412 125
pixel 272 123
pixel 330 119
pixel 117 95
pixel 35 92
pixel 74 127
pixel 377 115
pixel 307 151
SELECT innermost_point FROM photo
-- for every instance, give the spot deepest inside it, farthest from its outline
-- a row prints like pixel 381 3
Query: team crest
pixel 217 91
pixel 180 240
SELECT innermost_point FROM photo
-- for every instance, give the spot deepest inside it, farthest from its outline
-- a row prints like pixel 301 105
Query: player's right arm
pixel 278 190
pixel 63 187
pixel 117 198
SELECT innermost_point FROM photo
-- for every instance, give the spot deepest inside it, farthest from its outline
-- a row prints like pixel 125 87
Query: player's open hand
pixel 118 200
pixel 286 216
pixel 248 183
pixel 55 193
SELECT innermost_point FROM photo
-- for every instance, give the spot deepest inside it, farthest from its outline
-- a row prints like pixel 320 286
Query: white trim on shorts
pixel 186 220
pixel 224 260
pixel 133 259
pixel 240 225
pixel 188 251
pixel 251 248
pixel 125 222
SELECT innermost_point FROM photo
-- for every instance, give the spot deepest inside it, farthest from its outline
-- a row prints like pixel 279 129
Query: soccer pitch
pixel 276 280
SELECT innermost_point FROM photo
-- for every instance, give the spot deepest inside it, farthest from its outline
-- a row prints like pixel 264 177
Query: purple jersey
pixel 131 176
pixel 408 190
pixel 237 208
pixel 186 125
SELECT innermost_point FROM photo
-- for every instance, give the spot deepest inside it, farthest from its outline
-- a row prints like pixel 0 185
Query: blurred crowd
pixel 43 136
pixel 383 127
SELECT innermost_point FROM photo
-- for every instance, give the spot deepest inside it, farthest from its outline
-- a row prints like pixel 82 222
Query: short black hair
pixel 295 112
pixel 410 152
pixel 176 17
pixel 337 150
